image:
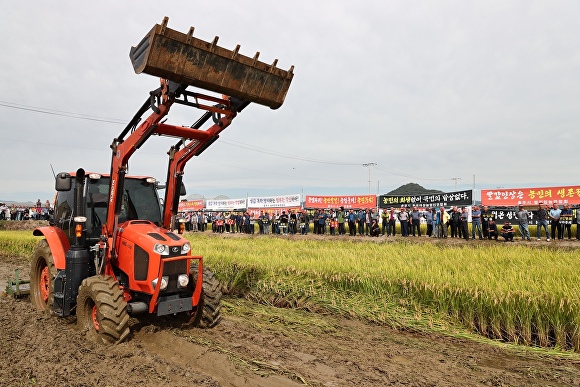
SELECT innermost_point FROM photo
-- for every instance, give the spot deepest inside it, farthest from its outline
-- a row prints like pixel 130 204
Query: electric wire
pixel 238 144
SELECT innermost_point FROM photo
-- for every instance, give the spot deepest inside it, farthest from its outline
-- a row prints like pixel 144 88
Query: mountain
pixel 413 189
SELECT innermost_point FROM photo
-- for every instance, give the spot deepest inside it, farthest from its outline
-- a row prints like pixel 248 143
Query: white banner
pixel 225 204
pixel 274 201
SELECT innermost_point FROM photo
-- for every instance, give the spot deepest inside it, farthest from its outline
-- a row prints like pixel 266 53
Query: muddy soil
pixel 39 349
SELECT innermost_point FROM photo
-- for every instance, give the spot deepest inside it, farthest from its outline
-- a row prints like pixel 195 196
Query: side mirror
pixel 182 191
pixel 63 182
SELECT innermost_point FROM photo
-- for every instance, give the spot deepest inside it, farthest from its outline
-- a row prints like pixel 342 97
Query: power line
pixel 60 113
pixel 284 155
pixel 238 144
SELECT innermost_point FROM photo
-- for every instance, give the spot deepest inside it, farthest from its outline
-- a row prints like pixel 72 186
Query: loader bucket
pixel 182 58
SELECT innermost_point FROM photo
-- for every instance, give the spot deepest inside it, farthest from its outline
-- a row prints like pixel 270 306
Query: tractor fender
pixel 58 243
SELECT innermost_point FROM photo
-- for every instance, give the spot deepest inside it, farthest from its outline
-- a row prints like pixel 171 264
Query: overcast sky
pixel 451 95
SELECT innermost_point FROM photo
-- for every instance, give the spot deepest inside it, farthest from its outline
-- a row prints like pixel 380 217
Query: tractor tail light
pixel 79 230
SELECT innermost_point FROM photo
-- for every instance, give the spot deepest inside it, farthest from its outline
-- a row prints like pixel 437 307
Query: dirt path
pixel 37 349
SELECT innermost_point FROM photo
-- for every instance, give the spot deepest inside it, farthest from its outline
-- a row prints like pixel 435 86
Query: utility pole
pixel 369 165
pixel 455 179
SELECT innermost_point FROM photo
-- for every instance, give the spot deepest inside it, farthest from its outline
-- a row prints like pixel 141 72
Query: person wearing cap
pixel 507 231
pixel 522 217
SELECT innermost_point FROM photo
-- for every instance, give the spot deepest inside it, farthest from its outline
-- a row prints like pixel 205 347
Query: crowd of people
pixel 479 223
pixel 14 212
pixel 456 222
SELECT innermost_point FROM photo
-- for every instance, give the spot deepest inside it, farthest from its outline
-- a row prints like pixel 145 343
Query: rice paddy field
pixel 527 294
pixel 516 293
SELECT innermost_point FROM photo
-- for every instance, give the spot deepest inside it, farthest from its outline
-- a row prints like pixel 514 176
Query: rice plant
pixel 519 294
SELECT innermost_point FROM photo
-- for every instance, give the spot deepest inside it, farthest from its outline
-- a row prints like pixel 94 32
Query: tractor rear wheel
pixel 42 274
pixel 102 310
pixel 207 314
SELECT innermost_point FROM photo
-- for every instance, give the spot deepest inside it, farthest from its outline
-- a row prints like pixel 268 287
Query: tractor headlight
pixel 183 280
pixel 164 282
pixel 185 248
pixel 161 249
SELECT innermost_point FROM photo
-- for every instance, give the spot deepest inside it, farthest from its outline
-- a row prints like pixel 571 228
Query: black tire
pixel 102 310
pixel 211 300
pixel 42 274
pixel 208 311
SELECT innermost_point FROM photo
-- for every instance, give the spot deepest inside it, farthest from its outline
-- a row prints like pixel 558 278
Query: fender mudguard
pixel 58 243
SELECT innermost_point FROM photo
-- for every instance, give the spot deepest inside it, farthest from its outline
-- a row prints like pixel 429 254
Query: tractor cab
pixel 139 202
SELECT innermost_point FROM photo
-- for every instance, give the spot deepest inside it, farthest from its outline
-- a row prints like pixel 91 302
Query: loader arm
pixel 181 60
pixel 223 112
pixel 196 141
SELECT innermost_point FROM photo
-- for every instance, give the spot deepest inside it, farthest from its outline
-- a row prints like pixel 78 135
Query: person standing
pixel 486 214
pixel 566 221
pixel 340 219
pixel 436 223
pixel 523 219
pixel 351 223
pixel 322 216
pixel 392 222
pixel 384 221
pixel 283 223
pixel 416 221
pixel 577 224
pixel 361 217
pixel 275 223
pixel 476 222
pixel 554 215
pixel 404 220
pixel 429 220
pixel 455 223
pixel 465 223
pixel 444 218
pixel 333 226
pixel 266 222
pixel 292 221
pixel 542 216
pixel 368 221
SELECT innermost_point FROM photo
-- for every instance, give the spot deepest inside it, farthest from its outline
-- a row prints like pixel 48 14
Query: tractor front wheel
pixel 42 274
pixel 207 314
pixel 102 310
pixel 209 308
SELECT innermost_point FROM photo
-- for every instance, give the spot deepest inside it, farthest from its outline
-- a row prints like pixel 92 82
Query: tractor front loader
pixel 110 252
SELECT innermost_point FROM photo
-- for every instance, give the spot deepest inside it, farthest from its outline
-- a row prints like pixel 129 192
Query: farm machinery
pixel 111 251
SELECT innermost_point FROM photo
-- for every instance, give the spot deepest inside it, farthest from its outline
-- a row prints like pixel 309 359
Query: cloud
pixel 429 91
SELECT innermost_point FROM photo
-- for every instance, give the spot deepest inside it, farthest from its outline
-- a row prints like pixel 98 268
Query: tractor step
pixel 16 287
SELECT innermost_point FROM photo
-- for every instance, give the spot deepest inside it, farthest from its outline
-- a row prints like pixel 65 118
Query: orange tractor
pixel 110 253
